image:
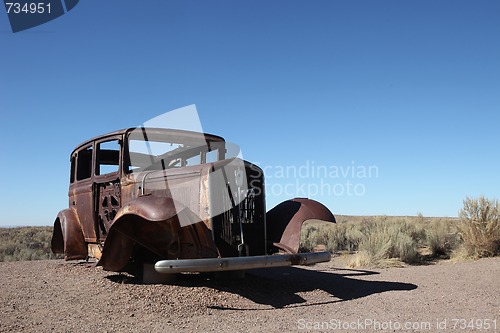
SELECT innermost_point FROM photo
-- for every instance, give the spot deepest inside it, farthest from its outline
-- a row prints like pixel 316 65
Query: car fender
pixel 67 237
pixel 157 224
pixel 284 222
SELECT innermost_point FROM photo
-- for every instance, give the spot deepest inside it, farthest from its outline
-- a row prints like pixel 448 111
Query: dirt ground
pixel 58 296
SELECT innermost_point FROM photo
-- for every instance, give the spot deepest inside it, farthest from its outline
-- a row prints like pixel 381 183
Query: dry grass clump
pixel 344 237
pixel 335 237
pixel 388 240
pixel 442 237
pixel 479 228
pixel 26 243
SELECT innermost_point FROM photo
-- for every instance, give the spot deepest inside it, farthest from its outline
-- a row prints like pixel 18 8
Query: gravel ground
pixel 58 296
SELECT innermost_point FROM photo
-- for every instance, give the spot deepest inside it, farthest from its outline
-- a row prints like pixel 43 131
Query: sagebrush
pixel 479 228
pixel 375 240
pixel 26 243
pixel 381 239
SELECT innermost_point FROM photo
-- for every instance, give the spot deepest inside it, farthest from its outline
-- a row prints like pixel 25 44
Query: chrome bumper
pixel 239 263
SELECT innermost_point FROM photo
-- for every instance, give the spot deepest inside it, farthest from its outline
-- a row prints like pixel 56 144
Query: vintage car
pixel 179 201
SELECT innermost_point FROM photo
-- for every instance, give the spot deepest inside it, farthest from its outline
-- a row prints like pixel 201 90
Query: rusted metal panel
pixel 149 230
pixel 68 237
pixel 284 222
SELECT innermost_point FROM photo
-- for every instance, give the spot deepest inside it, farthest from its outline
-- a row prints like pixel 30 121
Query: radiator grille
pixel 243 213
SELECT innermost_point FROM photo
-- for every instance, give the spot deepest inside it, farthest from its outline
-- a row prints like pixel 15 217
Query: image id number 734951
pixel 27 8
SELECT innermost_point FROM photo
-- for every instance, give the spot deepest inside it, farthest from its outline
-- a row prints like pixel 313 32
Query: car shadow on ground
pixel 281 287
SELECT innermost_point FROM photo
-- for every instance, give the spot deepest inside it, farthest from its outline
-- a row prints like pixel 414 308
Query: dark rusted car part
pixel 284 221
pixel 130 205
pixel 68 237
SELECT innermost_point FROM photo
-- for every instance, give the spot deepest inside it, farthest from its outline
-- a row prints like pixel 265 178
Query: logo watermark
pixel 25 14
pixel 314 179
pixel 371 324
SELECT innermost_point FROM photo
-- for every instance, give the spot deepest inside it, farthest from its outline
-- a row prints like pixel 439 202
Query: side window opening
pixel 73 167
pixel 108 157
pixel 212 156
pixel 193 160
pixel 84 163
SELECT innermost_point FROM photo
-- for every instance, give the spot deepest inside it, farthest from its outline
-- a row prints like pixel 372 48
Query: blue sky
pixel 411 88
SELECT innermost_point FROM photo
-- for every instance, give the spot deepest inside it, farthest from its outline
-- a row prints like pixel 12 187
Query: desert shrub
pixel 374 248
pixel 387 240
pixel 344 237
pixel 479 227
pixel 336 238
pixel 26 243
pixel 406 249
pixel 341 236
pixel 363 259
pixel 308 238
pixel 442 237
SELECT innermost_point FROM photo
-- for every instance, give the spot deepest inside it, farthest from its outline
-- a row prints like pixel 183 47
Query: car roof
pixel 155 131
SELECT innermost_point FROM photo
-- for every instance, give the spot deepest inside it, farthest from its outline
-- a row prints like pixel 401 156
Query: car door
pixel 81 190
pixel 107 194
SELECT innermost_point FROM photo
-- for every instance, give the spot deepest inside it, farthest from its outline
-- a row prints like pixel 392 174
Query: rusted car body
pixel 176 199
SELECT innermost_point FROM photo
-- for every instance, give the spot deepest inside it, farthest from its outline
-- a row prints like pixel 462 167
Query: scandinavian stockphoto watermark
pixel 314 179
pixel 374 325
pixel 26 14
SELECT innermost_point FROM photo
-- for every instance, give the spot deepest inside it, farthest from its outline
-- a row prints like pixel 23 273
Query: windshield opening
pixel 159 152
